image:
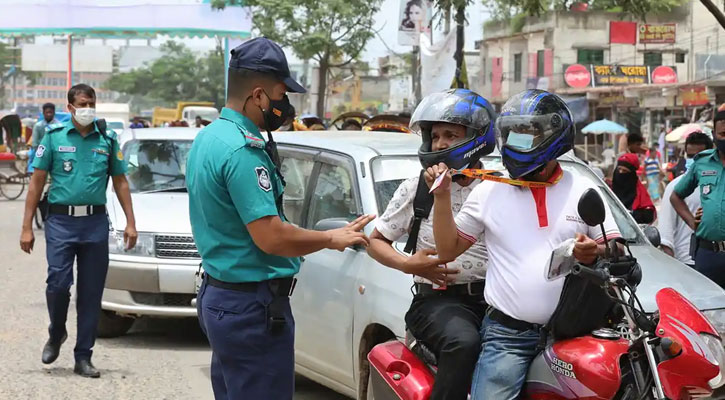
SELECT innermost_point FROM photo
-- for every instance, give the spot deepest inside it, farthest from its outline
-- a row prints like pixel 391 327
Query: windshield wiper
pixel 177 189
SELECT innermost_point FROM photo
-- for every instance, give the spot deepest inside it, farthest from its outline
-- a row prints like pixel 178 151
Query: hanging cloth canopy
pixel 122 19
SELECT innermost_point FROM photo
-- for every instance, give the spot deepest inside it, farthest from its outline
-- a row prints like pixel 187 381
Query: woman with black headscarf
pixel 630 191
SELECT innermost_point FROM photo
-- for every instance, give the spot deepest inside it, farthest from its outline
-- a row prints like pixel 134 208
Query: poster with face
pixel 415 19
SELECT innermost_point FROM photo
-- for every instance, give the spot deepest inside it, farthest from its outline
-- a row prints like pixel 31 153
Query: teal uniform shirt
pixel 78 166
pixel 233 182
pixel 707 174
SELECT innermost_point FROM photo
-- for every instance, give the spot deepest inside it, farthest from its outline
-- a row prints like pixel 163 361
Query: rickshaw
pixel 13 174
pixel 354 115
pixel 388 123
pixel 310 120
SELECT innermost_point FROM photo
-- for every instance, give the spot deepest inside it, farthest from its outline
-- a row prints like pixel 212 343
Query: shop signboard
pixel 657 33
pixel 580 76
pixel 694 96
pixel 615 99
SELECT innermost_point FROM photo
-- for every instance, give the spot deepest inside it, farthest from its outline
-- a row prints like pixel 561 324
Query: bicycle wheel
pixel 12 187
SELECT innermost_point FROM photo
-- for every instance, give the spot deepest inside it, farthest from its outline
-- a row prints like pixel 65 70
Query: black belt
pixel 716 246
pixel 463 289
pixel 282 287
pixel 510 322
pixel 76 211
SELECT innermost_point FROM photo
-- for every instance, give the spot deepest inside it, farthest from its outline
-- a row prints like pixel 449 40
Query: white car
pixel 344 302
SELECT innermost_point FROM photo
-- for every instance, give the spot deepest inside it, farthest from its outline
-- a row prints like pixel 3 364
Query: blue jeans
pixel 504 361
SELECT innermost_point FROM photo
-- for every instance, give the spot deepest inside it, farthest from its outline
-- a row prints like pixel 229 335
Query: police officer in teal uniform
pixel 79 155
pixel 250 253
pixel 707 175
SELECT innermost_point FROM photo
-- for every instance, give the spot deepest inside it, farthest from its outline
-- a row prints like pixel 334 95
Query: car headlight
pixel 716 355
pixel 145 245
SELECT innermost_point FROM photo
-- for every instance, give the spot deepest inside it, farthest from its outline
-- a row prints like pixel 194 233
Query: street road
pixel 158 359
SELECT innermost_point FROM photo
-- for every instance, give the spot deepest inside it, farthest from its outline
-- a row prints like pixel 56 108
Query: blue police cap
pixel 264 55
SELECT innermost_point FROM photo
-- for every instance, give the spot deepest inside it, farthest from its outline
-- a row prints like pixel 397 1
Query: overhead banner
pixel 580 76
pixel 415 21
pixel 657 33
pixel 437 65
pixel 694 96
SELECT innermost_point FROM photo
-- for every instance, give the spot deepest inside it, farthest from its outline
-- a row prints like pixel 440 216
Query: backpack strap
pixel 102 128
pixel 422 204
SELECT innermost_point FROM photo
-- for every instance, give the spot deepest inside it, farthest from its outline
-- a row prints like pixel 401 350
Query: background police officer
pixel 707 173
pixel 79 157
pixel 249 251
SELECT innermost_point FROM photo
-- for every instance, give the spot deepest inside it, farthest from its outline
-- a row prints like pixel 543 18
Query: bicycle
pixel 13 176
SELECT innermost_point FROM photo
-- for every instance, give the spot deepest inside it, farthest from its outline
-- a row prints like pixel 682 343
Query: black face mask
pixel 277 113
pixel 720 144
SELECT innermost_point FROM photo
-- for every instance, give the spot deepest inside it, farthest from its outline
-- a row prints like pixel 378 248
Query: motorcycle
pixel 673 353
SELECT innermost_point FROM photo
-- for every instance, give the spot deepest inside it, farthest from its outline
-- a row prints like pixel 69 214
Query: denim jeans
pixel 504 361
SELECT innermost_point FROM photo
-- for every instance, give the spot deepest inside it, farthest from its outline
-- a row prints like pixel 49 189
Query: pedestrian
pixel 630 191
pixel 653 172
pixel 136 124
pixel 707 174
pixel 675 234
pixel 249 252
pixel 448 306
pixel 80 156
pixel 40 126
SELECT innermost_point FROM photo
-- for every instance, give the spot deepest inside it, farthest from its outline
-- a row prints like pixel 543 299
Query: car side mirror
pixel 334 223
pixel 652 234
pixel 591 208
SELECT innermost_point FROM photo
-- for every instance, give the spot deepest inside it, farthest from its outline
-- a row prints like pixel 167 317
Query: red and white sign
pixel 577 76
pixel 663 74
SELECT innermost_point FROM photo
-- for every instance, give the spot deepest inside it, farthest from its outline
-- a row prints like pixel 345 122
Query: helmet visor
pixel 525 133
pixel 468 111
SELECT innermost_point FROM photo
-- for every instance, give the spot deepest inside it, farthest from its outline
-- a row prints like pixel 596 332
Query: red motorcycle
pixel 674 353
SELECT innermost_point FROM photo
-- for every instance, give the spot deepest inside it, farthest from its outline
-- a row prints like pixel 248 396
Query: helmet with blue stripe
pixel 460 107
pixel 534 127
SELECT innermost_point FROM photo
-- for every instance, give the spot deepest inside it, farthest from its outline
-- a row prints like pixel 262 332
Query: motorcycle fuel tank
pixel 579 368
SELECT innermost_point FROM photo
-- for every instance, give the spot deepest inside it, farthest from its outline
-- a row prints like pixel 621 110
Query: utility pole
pixel 15 71
pixel 460 21
pixel 415 73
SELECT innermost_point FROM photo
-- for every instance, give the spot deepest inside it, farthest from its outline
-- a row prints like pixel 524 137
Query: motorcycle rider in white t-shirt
pixel 521 227
pixel 457 128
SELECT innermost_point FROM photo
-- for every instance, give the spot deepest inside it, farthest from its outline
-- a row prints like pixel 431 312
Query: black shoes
pixel 51 350
pixel 86 369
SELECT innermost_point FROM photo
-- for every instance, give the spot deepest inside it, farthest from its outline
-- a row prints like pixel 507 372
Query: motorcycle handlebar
pixel 596 276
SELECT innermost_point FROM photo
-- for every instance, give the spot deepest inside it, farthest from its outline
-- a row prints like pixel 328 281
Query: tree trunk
pixel 415 72
pixel 715 12
pixel 322 87
pixel 460 21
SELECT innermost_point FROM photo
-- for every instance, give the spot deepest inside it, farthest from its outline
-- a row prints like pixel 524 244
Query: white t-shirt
pixel 520 236
pixel 397 220
pixel 674 232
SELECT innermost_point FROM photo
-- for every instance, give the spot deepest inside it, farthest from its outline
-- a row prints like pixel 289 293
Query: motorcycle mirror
pixel 591 208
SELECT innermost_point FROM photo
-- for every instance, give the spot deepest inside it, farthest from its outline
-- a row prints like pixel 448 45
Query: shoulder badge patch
pixel 41 150
pixel 263 179
pixel 119 155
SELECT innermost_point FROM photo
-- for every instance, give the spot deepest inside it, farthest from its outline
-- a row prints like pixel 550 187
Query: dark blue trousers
pixel 247 361
pixel 711 264
pixel 85 240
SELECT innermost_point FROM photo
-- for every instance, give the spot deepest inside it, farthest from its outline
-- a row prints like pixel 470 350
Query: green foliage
pixel 314 29
pixel 179 75
pixel 6 61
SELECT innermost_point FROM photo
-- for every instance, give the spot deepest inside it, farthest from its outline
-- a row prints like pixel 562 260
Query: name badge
pixel 100 151
pixel 67 149
pixel 709 173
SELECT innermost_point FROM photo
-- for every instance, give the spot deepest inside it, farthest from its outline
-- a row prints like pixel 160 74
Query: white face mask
pixel 85 116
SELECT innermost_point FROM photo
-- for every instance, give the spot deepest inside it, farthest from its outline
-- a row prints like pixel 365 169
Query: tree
pixel 505 9
pixel 9 68
pixel 331 32
pixel 178 75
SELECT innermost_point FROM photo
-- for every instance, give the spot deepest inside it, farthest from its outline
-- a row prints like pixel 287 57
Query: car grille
pixel 173 246
pixel 163 299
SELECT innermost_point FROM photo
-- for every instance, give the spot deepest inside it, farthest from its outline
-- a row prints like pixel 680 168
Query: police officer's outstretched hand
pixel 350 235
pixel 27 240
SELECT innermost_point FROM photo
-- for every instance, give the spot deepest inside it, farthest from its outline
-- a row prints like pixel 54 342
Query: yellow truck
pixel 185 111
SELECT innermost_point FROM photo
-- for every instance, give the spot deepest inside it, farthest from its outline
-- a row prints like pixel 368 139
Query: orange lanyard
pixel 487 175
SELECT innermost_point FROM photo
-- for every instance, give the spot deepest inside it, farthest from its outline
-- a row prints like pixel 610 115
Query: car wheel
pixel 112 325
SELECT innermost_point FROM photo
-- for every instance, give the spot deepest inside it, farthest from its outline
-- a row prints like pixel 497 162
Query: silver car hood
pixel 660 271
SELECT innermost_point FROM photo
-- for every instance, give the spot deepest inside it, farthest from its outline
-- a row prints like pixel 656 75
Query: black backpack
pixel 422 204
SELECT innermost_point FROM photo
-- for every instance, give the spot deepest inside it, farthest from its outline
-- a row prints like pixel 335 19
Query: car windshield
pixel 389 172
pixel 156 165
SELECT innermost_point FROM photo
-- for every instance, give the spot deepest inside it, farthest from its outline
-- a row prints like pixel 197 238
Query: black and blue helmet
pixel 460 107
pixel 534 127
